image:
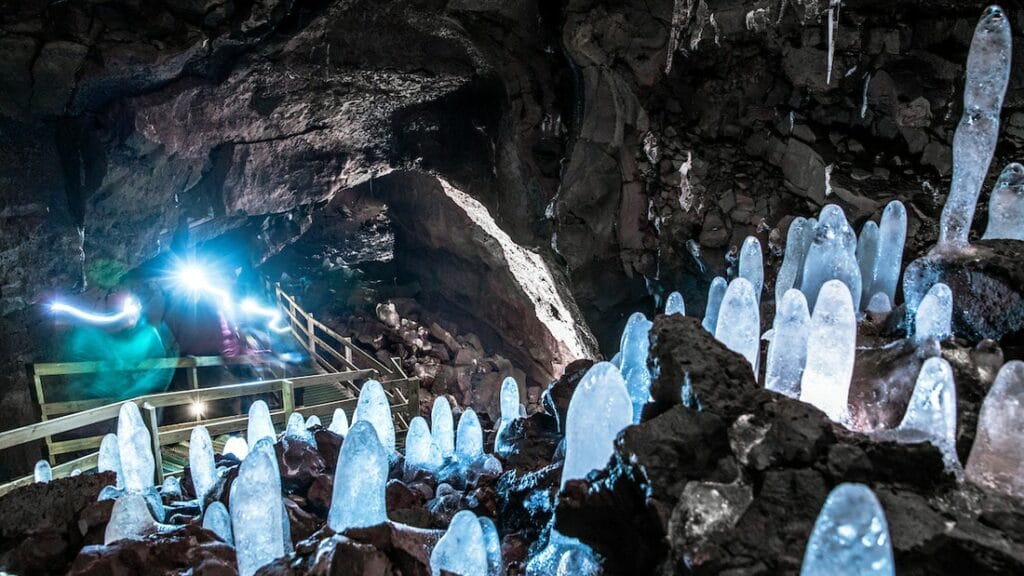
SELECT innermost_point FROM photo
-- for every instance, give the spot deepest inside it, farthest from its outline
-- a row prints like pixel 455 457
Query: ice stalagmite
pixel 715 294
pixel 339 422
pixel 1006 206
pixel 892 235
pixel 739 321
pixel 752 264
pixel 135 448
pixel 831 343
pixel 988 72
pixel 935 314
pixel 42 473
pixel 787 352
pixel 296 430
pixel 598 410
pixel 850 536
pixel 462 549
pixel 374 407
pixel 634 348
pixel 879 304
pixel 492 544
pixel 110 458
pixel 997 457
pixel 313 421
pixel 674 304
pixel 200 462
pixel 260 424
pixel 256 521
pixel 359 481
pixel 931 414
pixel 831 256
pixel 217 520
pixel 509 412
pixel 442 427
pixel 420 450
pixel 469 439
pixel 129 519
pixel 237 447
pixel 801 231
pixel 867 254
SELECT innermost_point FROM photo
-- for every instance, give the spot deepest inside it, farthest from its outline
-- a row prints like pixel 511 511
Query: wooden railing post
pixel 287 398
pixel 311 332
pixel 193 374
pixel 150 420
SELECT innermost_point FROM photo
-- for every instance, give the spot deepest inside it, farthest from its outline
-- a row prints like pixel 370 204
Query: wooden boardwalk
pixel 72 430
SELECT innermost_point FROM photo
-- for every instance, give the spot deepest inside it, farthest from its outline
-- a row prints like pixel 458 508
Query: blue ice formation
pixel 987 75
pixel 509 399
pixel 462 549
pixel 892 236
pixel 833 338
pixel 716 292
pixel 867 254
pixel 752 264
pixel 373 406
pixel 598 410
pixel 997 456
pixel 1006 206
pixel 442 427
pixel 492 544
pixel 359 481
pixel 296 430
pixel 469 439
pixel 934 319
pixel 110 458
pixel 831 256
pixel 256 519
pixel 634 348
pixel 201 463
pixel 237 447
pixel 798 240
pixel 850 536
pixel 931 413
pixel 135 449
pixel 260 424
pixel 42 473
pixel 420 450
pixel 739 321
pixel 787 351
pixel 313 421
pixel 674 304
pixel 339 422
pixel 129 519
pixel 217 520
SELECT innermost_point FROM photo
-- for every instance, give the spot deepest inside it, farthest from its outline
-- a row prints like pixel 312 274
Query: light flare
pixel 130 309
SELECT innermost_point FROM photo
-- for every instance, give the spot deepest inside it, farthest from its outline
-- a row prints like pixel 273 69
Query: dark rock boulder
pixel 985 279
pixel 45 525
pixel 189 549
pixel 690 363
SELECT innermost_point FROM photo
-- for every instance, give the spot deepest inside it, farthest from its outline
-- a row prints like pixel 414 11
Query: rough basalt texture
pixel 189 549
pixel 735 487
pixel 44 525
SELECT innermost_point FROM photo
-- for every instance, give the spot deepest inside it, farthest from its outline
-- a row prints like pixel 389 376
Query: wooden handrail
pixel 95 415
pixel 70 368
